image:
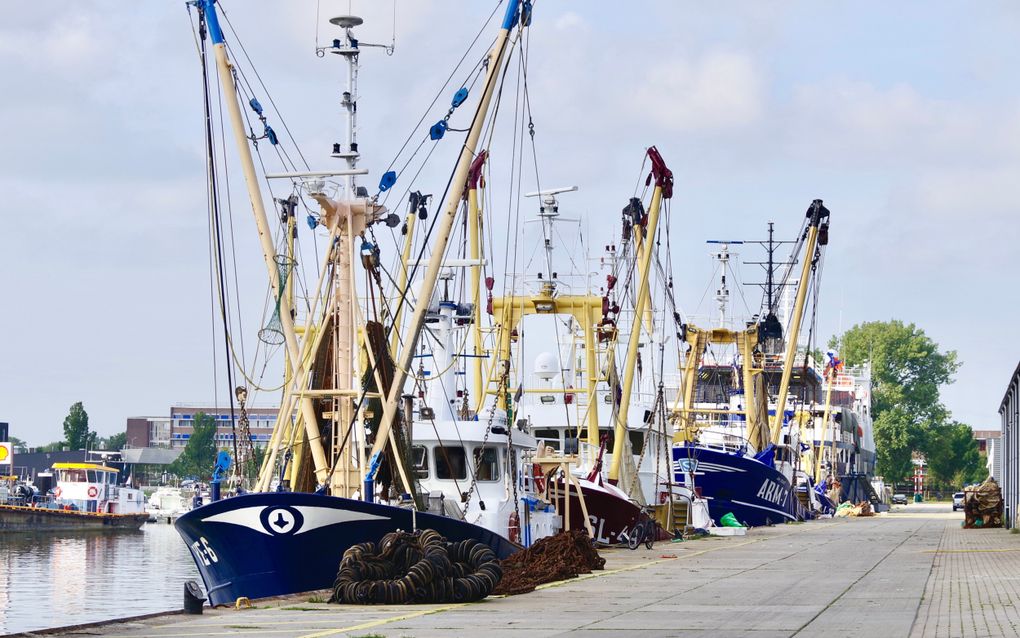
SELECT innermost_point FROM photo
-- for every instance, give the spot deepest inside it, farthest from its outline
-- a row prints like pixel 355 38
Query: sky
pixel 904 118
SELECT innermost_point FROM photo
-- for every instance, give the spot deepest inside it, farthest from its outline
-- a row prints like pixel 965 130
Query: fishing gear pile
pixel 416 567
pixel 553 558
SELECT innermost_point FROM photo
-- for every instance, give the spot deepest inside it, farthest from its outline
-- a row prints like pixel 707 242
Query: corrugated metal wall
pixel 1009 412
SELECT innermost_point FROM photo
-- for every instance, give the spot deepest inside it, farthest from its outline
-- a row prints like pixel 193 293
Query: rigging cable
pixel 215 212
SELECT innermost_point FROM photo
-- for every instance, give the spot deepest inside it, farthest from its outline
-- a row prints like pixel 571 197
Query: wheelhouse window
pixel 420 461
pixel 451 462
pixel 486 464
pixel 72 476
pixel 550 437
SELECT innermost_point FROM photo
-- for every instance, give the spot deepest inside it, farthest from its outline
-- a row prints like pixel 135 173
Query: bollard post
pixel 194 600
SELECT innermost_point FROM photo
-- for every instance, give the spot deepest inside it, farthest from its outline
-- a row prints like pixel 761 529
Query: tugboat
pixel 86 497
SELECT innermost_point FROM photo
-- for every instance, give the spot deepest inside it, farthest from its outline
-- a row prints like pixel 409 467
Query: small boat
pixel 86 497
pixel 167 503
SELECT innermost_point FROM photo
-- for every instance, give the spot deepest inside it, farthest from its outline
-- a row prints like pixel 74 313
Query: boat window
pixel 486 464
pixel 450 462
pixel 91 476
pixel 72 476
pixel 547 399
pixel 637 442
pixel 549 436
pixel 420 460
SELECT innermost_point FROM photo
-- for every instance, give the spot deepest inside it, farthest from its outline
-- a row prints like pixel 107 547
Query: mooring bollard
pixel 194 600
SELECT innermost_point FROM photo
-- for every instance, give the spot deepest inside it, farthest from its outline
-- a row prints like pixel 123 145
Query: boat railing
pixel 723 439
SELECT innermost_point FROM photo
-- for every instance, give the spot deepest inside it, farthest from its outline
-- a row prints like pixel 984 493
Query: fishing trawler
pixel 342 447
pixel 738 445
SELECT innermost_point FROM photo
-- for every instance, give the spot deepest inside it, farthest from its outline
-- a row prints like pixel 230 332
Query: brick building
pixel 174 431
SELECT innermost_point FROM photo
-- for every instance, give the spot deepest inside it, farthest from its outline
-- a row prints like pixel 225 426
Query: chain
pixel 511 460
pixel 247 452
pixel 504 382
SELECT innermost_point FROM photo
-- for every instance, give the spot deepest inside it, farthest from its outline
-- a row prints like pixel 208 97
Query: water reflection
pixel 52 580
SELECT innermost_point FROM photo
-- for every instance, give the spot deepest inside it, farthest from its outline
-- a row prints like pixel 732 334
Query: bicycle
pixel 645 531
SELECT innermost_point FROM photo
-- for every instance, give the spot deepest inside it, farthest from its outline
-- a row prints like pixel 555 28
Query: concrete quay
pixel 912 572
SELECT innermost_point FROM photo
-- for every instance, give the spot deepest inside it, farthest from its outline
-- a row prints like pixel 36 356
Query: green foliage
pixel 113 442
pixel 199 454
pixel 76 428
pixel 907 370
pixel 952 455
pixel 19 446
pixel 907 367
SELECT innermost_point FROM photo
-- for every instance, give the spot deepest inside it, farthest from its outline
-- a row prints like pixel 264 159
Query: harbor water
pixel 51 580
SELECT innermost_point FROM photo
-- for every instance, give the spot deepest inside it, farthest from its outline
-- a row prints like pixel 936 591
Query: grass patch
pixel 300 608
pixel 316 599
pixel 1014 530
pixel 243 627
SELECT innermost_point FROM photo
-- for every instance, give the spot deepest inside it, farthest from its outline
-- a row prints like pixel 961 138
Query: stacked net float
pixel 416 567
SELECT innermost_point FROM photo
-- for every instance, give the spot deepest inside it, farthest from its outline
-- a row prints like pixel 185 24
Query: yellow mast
pixel 405 257
pixel 443 229
pixel 474 246
pixel 818 217
pixel 830 376
pixel 225 74
pixel 663 190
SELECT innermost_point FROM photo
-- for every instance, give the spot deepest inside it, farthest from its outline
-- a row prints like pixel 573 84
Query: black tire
pixel 636 535
pixel 650 535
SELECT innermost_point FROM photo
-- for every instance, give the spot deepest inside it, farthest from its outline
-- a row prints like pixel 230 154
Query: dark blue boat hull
pixel 756 493
pixel 271 544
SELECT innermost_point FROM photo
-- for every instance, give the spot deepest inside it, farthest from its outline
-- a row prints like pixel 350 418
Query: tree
pixel 199 454
pixel 952 456
pixel 19 446
pixel 113 442
pixel 76 428
pixel 907 371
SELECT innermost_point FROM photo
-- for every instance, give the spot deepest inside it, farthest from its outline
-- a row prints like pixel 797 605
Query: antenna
pixel 547 214
pixel 722 294
pixel 349 48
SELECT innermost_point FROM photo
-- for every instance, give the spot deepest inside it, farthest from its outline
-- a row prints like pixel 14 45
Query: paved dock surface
pixel 913 572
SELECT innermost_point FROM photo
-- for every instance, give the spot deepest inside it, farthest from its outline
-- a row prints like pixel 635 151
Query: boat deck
pixel 913 572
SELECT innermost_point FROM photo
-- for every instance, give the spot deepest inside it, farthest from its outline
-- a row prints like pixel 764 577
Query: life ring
pixel 93 491
pixel 57 492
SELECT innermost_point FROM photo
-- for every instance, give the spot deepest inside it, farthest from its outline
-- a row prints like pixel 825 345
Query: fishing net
pixel 272 334
pixel 550 559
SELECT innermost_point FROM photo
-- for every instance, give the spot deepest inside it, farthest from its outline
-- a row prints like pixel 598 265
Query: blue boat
pixel 733 481
pixel 277 543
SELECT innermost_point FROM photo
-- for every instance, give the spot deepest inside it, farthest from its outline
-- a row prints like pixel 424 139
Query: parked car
pixel 958 501
pixel 899 499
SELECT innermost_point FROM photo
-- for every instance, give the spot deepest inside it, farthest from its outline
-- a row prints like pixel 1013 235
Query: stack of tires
pixel 418 567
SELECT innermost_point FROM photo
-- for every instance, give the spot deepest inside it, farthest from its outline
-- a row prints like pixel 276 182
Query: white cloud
pixel 717 92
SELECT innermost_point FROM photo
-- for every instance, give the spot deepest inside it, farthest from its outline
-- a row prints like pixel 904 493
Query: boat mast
pixel 223 67
pixel 663 190
pixel 818 224
pixel 445 225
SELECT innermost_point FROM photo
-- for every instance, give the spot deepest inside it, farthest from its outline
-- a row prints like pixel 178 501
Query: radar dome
pixel 546 366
